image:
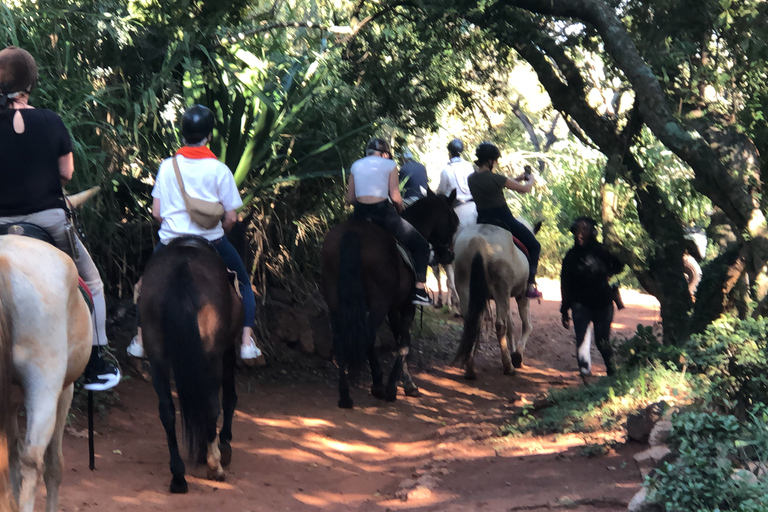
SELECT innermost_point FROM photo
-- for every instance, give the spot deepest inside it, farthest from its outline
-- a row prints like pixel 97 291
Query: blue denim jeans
pixel 233 261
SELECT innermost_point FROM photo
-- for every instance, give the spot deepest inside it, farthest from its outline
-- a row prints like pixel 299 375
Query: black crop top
pixel 29 162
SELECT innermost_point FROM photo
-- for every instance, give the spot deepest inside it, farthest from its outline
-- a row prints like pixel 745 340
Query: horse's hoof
pixel 509 371
pixel 345 403
pixel 414 392
pixel 179 486
pixel 378 392
pixel 226 454
pixel 217 475
pixel 391 395
pixel 470 375
pixel 517 360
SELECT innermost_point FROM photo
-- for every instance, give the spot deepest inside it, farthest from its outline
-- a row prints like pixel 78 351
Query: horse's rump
pixel 189 317
pixel 7 502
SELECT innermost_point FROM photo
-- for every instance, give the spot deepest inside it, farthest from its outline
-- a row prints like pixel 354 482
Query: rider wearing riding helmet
pixel 208 179
pixel 414 176
pixel 35 160
pixel 488 191
pixel 372 181
pixel 454 177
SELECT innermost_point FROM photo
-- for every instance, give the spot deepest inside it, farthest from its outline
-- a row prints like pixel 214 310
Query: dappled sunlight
pixel 324 443
pixel 376 434
pixel 291 454
pixel 295 422
pixel 458 387
pixel 323 499
pixel 143 498
pixel 434 497
pixel 210 483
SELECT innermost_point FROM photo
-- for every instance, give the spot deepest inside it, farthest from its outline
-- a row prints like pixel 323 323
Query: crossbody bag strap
pixel 181 183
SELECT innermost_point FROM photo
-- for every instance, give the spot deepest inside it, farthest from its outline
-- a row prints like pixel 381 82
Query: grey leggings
pixel 54 221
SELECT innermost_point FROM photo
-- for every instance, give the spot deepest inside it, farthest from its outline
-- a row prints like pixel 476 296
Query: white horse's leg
pixel 41 406
pixel 524 308
pixel 54 459
pixel 453 296
pixel 503 322
pixel 439 298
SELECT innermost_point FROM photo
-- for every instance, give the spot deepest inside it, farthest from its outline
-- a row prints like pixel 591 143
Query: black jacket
pixel 584 276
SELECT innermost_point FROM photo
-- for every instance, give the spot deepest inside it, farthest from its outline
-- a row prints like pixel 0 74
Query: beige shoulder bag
pixel 205 214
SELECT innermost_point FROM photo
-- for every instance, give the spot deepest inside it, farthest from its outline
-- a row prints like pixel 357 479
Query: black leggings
pixel 502 217
pixel 385 215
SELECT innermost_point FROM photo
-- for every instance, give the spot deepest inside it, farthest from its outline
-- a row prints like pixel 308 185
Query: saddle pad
pixel 520 246
pixel 86 292
pixel 406 256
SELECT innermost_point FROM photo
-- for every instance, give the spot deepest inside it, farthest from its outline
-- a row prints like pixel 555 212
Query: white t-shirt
pixel 204 178
pixel 454 176
pixel 372 176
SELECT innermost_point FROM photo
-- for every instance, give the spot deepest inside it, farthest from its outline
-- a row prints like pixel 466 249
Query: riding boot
pixel 100 375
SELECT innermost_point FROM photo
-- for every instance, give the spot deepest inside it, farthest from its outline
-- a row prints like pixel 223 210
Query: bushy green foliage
pixel 646 349
pixel 730 360
pixel 720 464
pixel 603 405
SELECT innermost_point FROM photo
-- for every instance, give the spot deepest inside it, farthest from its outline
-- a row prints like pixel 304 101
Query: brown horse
pixel 365 280
pixel 191 317
pixel 45 326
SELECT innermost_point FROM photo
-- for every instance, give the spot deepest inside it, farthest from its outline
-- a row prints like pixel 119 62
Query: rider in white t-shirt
pixel 206 178
pixel 454 177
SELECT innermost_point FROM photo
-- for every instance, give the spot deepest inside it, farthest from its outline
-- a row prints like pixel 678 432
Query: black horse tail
pixel 478 299
pixel 352 333
pixel 7 502
pixel 184 349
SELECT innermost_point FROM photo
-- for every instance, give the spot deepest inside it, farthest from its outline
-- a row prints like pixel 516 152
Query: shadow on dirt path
pixel 293 449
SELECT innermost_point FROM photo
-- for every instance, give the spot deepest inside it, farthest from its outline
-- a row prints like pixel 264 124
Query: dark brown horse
pixel 366 280
pixel 191 317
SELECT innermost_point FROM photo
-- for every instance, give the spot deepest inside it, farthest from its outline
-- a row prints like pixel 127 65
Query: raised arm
pixel 520 184
pixel 394 189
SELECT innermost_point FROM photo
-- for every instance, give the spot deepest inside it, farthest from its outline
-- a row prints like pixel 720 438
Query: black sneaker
pixel 421 298
pixel 99 374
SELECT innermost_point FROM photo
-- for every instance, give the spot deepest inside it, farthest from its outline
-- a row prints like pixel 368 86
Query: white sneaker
pixel 250 351
pixel 135 349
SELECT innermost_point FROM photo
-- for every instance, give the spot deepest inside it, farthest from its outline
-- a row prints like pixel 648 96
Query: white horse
pixel 45 325
pixel 490 266
pixel 467 214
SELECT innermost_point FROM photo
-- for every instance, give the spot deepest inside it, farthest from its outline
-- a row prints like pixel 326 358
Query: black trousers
pixel 385 215
pixel 502 217
pixel 601 318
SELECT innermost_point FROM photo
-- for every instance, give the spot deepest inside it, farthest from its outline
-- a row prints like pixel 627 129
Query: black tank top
pixel 29 162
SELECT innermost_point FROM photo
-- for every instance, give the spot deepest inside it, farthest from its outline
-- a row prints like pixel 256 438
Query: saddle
pixel 34 231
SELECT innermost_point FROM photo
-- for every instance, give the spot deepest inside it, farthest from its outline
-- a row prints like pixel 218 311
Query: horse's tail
pixel 352 332
pixel 478 298
pixel 184 349
pixel 7 503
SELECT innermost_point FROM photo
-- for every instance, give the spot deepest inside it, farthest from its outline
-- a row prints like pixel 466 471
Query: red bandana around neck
pixel 196 152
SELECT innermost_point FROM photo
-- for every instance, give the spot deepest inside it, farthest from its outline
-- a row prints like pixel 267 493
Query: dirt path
pixel 295 450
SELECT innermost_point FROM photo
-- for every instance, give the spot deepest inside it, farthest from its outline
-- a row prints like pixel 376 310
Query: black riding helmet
pixel 455 147
pixel 379 145
pixel 18 71
pixel 196 124
pixel 486 152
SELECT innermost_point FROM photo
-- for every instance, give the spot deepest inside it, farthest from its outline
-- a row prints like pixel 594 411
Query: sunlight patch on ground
pixel 376 434
pixel 295 422
pixel 522 446
pixel 323 499
pixel 210 483
pixel 340 446
pixel 432 497
pixel 458 387
pixel 142 499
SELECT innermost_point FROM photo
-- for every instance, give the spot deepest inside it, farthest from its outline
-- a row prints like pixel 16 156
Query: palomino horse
pixel 365 280
pixel 191 317
pixel 467 214
pixel 47 326
pixel 490 266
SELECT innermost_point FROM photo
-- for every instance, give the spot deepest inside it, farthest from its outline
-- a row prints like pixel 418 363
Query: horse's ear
pixel 430 193
pixel 537 226
pixel 452 197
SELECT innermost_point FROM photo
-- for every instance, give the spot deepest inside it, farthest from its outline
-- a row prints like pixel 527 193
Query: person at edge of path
pixel 454 177
pixel 35 160
pixel 587 266
pixel 206 178
pixel 414 174
pixel 373 181
pixel 488 191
